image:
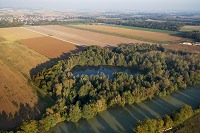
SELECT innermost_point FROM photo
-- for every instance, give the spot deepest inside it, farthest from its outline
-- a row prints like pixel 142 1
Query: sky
pixel 122 5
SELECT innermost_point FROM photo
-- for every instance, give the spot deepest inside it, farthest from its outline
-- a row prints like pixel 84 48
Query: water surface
pixel 126 118
pixel 96 70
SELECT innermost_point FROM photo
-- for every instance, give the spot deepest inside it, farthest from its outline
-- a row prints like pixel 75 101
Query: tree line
pixel 172 26
pixel 15 23
pixel 168 122
pixel 195 35
pixel 162 72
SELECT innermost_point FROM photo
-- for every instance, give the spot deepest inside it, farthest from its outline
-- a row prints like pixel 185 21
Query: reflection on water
pixel 126 118
pixel 95 70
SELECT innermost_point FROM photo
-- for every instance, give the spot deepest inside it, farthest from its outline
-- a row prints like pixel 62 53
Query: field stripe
pixel 50 36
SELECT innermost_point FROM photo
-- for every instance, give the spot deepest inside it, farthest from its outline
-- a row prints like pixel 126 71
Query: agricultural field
pixel 81 37
pixel 19 98
pixel 148 36
pixel 17 33
pixel 190 28
pixel 48 46
pixel 24 48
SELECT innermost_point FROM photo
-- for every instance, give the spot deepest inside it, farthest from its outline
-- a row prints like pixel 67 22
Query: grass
pixel 121 35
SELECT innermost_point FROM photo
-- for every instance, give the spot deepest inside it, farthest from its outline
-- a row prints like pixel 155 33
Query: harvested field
pixel 142 35
pixel 81 37
pixel 20 57
pixel 190 28
pixel 186 48
pixel 18 99
pixel 48 46
pixel 2 39
pixel 17 33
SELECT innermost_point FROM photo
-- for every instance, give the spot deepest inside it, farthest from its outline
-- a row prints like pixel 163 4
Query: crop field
pixel 19 99
pixel 81 37
pixel 16 92
pixel 48 46
pixel 148 36
pixel 22 49
pixel 17 33
pixel 190 28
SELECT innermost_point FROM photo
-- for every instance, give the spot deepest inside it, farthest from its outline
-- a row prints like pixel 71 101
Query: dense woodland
pixel 167 122
pixel 162 73
pixel 172 26
pixel 195 35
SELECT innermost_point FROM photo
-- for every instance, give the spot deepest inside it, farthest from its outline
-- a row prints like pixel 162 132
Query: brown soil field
pixel 17 33
pixel 48 46
pixel 14 93
pixel 186 48
pixel 18 100
pixel 81 37
pixel 140 34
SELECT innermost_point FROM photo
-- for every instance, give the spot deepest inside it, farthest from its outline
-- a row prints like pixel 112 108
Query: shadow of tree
pixel 53 61
pixel 11 121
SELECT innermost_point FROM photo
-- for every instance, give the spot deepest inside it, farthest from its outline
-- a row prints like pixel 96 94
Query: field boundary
pixel 50 36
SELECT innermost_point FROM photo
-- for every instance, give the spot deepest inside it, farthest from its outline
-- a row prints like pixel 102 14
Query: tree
pixel 128 97
pixel 101 105
pixel 88 111
pixel 74 113
pixel 168 123
pixel 30 126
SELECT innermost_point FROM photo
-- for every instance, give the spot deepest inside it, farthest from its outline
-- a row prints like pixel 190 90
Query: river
pixel 126 118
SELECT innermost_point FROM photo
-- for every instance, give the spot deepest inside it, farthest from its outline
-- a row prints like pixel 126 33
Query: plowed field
pixel 48 46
